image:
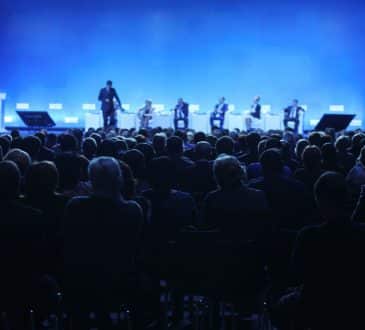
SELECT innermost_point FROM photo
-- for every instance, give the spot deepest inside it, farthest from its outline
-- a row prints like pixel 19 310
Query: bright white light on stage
pixel 231 107
pixel 89 106
pixel 337 108
pixel 71 120
pixel 194 107
pixel 304 106
pixel 356 122
pixel 8 119
pixel 313 122
pixel 55 106
pixel 126 107
pixel 266 108
pixel 22 106
pixel 2 96
pixel 158 107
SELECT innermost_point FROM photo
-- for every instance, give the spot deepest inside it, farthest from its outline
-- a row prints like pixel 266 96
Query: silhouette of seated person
pixel 101 239
pixel 327 264
pixel 234 208
pixel 288 198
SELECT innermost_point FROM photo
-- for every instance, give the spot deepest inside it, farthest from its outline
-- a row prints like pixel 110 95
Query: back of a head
pixel 271 162
pixel 343 143
pixel 331 194
pixel 32 145
pixel 147 151
pixel 4 144
pixel 161 173
pixel 228 172
pixel 312 158
pixel 21 158
pixel 315 138
pixel 159 142
pixel 106 176
pixel 199 136
pixel 69 169
pixel 225 145
pixel 10 180
pixel 42 137
pixel 175 146
pixel 273 142
pixel 300 146
pixel 89 146
pixel 136 161
pixel 361 157
pixel 329 152
pixel 107 148
pixel 41 179
pixel 68 143
pixel 253 140
pixel 203 150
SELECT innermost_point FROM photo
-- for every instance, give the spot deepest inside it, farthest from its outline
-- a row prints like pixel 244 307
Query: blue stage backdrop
pixel 64 51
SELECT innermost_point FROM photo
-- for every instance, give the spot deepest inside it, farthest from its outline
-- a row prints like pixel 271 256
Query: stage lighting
pixel 89 106
pixel 356 122
pixel 71 120
pixel 158 107
pixel 2 96
pixel 55 106
pixel 337 108
pixel 313 122
pixel 194 108
pixel 8 119
pixel 22 106
pixel 231 107
pixel 266 108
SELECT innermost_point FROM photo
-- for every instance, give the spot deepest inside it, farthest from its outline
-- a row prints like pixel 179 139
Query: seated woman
pixel 254 115
pixel 145 114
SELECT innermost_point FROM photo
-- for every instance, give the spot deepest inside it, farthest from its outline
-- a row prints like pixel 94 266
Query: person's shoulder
pixel 77 201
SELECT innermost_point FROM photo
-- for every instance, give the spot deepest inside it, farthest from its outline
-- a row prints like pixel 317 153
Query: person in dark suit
pixel 219 113
pixel 106 97
pixel 181 113
pixel 291 114
pixel 254 114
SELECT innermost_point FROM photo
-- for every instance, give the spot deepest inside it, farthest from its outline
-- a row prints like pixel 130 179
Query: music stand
pixel 336 122
pixel 36 119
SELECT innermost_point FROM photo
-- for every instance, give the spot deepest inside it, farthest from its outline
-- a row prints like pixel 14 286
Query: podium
pixel 36 119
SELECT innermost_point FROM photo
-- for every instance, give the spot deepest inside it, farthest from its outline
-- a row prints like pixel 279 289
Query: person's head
pixel 41 179
pixel 51 140
pixel 295 103
pixel 180 100
pixel 107 148
pixel 331 195
pixel 137 162
pixel 242 142
pixel 312 158
pixel 20 158
pixel 343 143
pixel 89 147
pixel 175 146
pixel 300 146
pixel 147 150
pixel 42 137
pixel 271 162
pixel 329 154
pixel 129 182
pixel 225 145
pixel 222 100
pixel 315 139
pixel 159 142
pixel 68 143
pixel 148 102
pixel 228 172
pixel 253 140
pixel 106 176
pixel 361 157
pixel 4 144
pixel 109 84
pixel 203 150
pixel 32 145
pixel 69 167
pixel 161 174
pixel 256 99
pixel 199 136
pixel 10 180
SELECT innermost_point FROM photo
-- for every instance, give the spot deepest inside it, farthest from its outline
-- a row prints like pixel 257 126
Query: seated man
pixel 218 114
pixel 253 116
pixel 101 238
pixel 327 261
pixel 233 207
pixel 291 114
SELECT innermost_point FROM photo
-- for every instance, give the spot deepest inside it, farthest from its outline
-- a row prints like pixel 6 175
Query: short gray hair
pixel 105 175
pixel 228 171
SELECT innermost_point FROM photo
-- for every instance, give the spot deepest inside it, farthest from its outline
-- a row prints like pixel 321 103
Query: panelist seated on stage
pixel 218 114
pixel 107 95
pixel 181 114
pixel 291 115
pixel 254 115
pixel 145 114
